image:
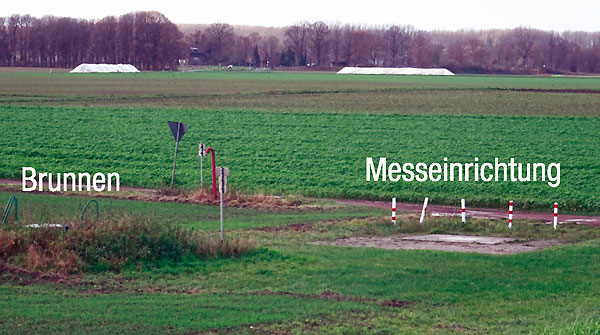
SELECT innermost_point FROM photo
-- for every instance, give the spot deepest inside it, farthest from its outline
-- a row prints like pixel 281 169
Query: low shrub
pixel 110 245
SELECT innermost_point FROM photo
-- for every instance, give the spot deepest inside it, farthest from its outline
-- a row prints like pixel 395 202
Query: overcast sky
pixel 424 14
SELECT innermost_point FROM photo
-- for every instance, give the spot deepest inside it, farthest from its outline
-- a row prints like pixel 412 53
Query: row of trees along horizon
pixel 150 41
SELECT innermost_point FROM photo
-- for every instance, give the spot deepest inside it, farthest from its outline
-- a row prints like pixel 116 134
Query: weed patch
pixel 107 246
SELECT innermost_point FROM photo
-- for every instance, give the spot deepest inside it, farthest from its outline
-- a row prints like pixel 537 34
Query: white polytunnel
pixel 104 68
pixel 396 70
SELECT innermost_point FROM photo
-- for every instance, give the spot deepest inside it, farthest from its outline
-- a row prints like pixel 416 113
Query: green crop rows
pixel 306 153
pixel 308 133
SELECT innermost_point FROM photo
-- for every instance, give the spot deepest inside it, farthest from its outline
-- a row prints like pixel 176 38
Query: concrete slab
pixel 399 243
pixel 459 239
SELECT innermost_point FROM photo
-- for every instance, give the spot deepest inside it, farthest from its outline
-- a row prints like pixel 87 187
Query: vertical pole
pixel 201 154
pixel 423 210
pixel 510 213
pixel 462 211
pixel 214 172
pixel 221 189
pixel 555 215
pixel 175 158
pixel 394 210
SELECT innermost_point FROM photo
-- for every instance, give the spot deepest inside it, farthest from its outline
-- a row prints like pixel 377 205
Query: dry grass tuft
pixel 234 199
pixel 107 246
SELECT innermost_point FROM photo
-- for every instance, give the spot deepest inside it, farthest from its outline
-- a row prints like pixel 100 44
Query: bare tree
pixel 4 53
pixel 396 40
pixel 296 36
pixel 591 60
pixel 13 34
pixel 104 40
pixel 319 32
pixel 126 39
pixel 243 48
pixel 255 38
pixel 335 42
pixel 524 43
pixel 375 46
pixel 26 25
pixel 220 38
pixel 194 38
pixel 420 51
pixel 359 46
pixel 158 42
pixel 349 45
pixel 269 49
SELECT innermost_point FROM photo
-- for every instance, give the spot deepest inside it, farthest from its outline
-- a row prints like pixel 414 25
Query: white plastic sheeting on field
pixel 396 70
pixel 104 68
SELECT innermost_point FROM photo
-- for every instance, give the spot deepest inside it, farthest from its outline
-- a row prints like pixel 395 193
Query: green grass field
pixel 36 208
pixel 289 286
pixel 308 134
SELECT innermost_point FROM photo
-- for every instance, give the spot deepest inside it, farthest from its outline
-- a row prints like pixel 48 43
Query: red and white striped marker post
pixel 510 213
pixel 424 210
pixel 555 215
pixel 462 211
pixel 394 210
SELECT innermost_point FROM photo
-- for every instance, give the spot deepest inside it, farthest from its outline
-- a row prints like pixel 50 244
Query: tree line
pixel 150 41
pixel 519 50
pixel 147 40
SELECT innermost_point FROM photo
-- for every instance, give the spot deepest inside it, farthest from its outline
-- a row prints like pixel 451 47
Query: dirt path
pixel 434 210
pixel 198 197
pixel 16 182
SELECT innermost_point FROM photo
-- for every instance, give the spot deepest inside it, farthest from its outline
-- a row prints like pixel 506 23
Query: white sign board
pixel 201 150
pixel 223 174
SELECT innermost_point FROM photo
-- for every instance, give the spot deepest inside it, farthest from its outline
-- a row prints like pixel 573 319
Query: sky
pixel 423 14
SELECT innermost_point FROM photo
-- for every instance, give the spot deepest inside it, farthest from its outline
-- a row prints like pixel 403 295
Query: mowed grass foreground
pixel 290 286
pixel 313 154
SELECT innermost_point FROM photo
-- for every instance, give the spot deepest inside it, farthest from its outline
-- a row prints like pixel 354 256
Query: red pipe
pixel 214 172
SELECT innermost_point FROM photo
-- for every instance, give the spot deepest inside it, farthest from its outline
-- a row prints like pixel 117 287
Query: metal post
pixel 555 215
pixel 462 211
pixel 13 201
pixel 214 172
pixel 510 214
pixel 86 206
pixel 424 210
pixel 221 190
pixel 175 158
pixel 394 211
pixel 201 154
